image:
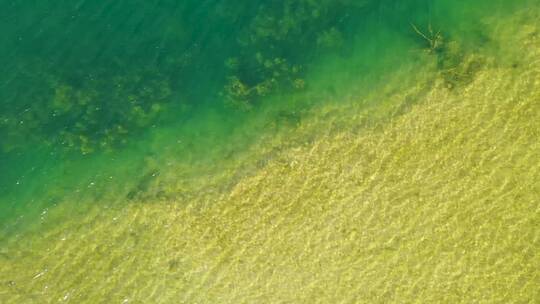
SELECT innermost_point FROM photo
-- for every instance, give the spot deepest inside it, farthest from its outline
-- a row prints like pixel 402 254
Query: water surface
pixel 142 139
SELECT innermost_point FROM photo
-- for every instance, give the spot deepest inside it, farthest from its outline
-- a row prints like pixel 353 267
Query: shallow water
pixel 374 151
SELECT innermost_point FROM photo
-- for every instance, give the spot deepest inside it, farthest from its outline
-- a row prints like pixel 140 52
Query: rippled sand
pixel 436 201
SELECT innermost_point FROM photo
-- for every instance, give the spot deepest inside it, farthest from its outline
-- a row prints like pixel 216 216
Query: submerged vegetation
pixel 278 43
pixel 267 51
pixel 98 112
pixel 244 53
pixel 244 180
pixel 454 63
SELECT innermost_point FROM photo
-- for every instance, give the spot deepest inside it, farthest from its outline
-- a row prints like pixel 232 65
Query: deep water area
pixel 86 84
pixel 162 142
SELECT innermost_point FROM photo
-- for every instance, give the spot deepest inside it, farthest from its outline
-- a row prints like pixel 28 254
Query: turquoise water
pixel 90 91
pixel 290 151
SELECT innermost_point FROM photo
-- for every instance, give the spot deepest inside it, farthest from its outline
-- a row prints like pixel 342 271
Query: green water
pixel 106 105
pixel 87 86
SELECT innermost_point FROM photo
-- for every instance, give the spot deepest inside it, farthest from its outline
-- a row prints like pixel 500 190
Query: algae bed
pixel 309 151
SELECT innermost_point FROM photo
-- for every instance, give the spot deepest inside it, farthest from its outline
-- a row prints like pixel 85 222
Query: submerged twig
pixel 434 39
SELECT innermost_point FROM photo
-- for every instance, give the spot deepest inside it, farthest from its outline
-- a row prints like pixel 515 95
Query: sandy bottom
pixel 431 201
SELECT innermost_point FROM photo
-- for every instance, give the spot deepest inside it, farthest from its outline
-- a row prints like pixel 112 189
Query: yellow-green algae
pixel 429 202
